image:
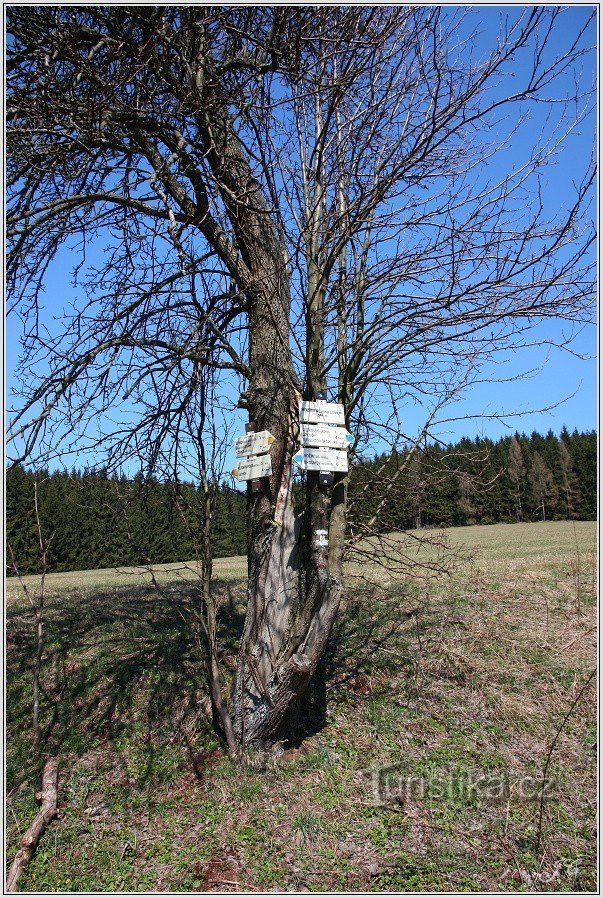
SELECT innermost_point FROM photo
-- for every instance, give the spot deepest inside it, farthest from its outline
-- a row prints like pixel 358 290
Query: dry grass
pixel 461 701
pixel 519 545
pixel 228 569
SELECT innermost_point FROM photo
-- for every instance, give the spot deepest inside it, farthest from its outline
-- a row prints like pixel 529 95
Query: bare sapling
pixel 36 600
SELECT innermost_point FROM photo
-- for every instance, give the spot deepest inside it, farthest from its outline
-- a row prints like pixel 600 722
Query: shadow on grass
pixel 124 666
pixel 118 665
pixel 362 636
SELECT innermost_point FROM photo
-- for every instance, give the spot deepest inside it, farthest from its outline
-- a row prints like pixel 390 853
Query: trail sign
pixel 325 436
pixel 321 459
pixel 321 413
pixel 252 468
pixel 325 479
pixel 253 443
pixel 321 538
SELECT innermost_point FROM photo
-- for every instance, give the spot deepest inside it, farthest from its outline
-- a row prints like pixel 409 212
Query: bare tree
pixel 516 473
pixel 302 203
pixel 543 489
pixel 37 602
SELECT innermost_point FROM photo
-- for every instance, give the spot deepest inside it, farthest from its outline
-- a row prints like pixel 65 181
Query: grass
pixel 427 772
pixel 226 569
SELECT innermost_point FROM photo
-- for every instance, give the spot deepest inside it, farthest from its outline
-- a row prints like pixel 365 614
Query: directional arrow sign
pixel 253 443
pixel 253 468
pixel 321 413
pixel 321 459
pixel 323 435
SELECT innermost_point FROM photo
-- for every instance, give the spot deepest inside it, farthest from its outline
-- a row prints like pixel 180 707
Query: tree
pixel 542 485
pixel 292 199
pixel 571 490
pixel 583 449
pixel 467 497
pixel 516 473
pixel 416 487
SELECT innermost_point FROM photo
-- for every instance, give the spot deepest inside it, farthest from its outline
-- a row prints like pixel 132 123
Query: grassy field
pixel 425 773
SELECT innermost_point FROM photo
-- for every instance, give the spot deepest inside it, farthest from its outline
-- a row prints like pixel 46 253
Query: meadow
pixel 450 743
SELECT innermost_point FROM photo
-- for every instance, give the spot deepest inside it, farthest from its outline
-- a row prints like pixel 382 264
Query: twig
pixel 575 639
pixel 15 819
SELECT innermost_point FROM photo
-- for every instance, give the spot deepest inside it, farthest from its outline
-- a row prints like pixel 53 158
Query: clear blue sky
pixel 558 376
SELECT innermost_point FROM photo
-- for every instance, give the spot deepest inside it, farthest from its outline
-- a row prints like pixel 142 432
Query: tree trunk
pixel 291 598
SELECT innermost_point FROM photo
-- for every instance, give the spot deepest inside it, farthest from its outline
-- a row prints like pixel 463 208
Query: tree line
pixel 93 520
pixel 481 481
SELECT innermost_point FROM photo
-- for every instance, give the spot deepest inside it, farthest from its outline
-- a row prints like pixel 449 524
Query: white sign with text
pixel 321 413
pixel 253 468
pixel 323 435
pixel 253 443
pixel 321 459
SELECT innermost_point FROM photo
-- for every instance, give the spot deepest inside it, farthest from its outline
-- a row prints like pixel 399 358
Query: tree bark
pixel 292 599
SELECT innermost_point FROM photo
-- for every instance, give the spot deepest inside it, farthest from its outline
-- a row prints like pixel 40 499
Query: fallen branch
pixel 48 810
pixel 575 639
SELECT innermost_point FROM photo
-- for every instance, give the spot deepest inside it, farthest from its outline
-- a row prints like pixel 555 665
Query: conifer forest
pixel 92 520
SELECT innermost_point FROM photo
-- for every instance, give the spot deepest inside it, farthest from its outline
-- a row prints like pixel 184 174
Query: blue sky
pixel 559 375
pixel 559 378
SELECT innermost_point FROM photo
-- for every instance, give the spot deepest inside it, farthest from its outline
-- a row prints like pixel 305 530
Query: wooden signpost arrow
pixel 321 459
pixel 257 445
pixel 254 443
pixel 253 468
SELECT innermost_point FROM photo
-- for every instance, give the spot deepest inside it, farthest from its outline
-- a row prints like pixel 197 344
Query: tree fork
pixel 292 600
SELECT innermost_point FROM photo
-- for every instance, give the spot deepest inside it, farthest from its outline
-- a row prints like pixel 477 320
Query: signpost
pixel 321 412
pixel 324 448
pixel 321 459
pixel 254 443
pixel 325 436
pixel 253 468
pixel 257 445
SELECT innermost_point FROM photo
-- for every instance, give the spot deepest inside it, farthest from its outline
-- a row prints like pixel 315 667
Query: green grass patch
pixel 459 701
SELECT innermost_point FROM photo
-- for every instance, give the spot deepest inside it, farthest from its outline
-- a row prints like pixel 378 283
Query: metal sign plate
pixel 323 435
pixel 321 538
pixel 253 443
pixel 252 468
pixel 321 459
pixel 321 413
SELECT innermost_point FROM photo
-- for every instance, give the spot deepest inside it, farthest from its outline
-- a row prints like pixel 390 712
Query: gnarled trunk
pixel 292 600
